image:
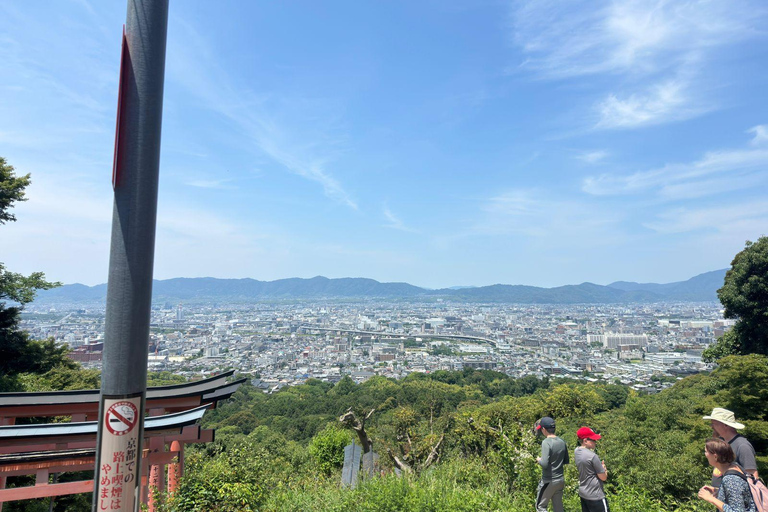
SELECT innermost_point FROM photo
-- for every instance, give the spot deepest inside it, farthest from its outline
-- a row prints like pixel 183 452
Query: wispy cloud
pixel 535 214
pixel 302 145
pixel 658 47
pixel 750 218
pixel 395 223
pixel 579 37
pixel 713 173
pixel 210 184
pixel 660 103
pixel 593 157
pixel 761 134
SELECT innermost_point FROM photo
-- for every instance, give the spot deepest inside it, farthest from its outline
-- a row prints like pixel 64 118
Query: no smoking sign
pixel 121 418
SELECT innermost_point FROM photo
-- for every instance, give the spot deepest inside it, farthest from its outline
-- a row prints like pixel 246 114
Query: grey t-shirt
pixel 554 455
pixel 744 456
pixel 589 466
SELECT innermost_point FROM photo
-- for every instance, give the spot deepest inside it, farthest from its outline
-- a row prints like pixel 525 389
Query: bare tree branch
pixel 349 420
pixel 434 455
pixel 399 464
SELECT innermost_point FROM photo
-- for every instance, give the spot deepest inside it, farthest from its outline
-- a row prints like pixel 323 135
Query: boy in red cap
pixel 592 472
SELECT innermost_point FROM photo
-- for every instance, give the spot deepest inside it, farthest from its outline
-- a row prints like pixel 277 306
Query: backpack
pixel 756 487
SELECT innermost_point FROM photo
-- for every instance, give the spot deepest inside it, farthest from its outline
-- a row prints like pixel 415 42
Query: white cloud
pixel 209 184
pixel 395 223
pixel 658 48
pixel 761 134
pixel 563 38
pixel 661 103
pixel 593 157
pixel 539 215
pixel 750 218
pixel 710 187
pixel 299 133
pixel 715 172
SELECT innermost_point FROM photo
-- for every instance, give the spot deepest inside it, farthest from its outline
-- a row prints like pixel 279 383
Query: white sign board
pixel 120 457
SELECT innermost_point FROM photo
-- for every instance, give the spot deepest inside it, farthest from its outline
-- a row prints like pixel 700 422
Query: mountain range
pixel 701 288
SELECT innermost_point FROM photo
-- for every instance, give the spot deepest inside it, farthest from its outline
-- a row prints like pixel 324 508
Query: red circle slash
pixel 121 417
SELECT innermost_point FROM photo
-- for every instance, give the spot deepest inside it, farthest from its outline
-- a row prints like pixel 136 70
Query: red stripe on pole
pixel 115 166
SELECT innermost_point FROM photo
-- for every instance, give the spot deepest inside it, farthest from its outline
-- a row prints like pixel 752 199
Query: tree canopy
pixel 11 190
pixel 745 297
pixel 19 354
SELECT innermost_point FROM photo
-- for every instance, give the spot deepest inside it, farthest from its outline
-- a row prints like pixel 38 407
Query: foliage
pixel 327 448
pixel 11 190
pixel 456 486
pixel 26 360
pixel 229 478
pixel 60 377
pixel 571 400
pixel 164 379
pixel 442 350
pixel 726 345
pixel 745 298
pixel 19 288
pixel 743 383
pixel 18 353
pixel 282 452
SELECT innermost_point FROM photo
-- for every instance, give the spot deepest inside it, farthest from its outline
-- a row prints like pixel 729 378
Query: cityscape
pixel 365 256
pixel 278 344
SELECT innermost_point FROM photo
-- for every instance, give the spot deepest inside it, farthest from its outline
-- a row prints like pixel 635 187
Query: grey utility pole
pixel 117 478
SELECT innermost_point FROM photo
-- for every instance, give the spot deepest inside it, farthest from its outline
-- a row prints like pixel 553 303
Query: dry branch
pixel 349 420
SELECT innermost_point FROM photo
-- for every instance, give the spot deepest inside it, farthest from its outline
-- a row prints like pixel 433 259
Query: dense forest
pixel 284 451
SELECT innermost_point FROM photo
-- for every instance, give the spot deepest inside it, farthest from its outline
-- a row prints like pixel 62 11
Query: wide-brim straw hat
pixel 724 416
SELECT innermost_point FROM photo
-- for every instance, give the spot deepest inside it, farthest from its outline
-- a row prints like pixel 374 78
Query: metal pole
pixel 117 477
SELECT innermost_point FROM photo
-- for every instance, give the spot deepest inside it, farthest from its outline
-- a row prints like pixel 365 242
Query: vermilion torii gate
pixel 49 449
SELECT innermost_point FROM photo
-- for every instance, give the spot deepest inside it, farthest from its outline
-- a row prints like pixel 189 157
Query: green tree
pixel 11 190
pixel 17 352
pixel 745 298
pixel 327 448
pixel 570 400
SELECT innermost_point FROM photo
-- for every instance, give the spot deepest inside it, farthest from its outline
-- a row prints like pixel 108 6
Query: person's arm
pixel 544 459
pixel 599 467
pixel 705 493
pixel 748 460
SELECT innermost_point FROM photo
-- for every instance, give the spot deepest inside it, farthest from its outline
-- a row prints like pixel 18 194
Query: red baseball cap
pixel 587 433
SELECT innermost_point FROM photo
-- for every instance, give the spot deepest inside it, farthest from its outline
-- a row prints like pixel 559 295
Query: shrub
pixel 327 448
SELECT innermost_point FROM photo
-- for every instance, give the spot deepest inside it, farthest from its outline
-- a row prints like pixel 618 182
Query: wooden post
pixel 156 481
pixel 176 469
pixel 152 485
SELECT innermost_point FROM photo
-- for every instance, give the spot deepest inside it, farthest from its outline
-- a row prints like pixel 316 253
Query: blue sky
pixel 439 143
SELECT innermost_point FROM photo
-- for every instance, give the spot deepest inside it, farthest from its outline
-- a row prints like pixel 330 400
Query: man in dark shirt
pixel 725 426
pixel 554 455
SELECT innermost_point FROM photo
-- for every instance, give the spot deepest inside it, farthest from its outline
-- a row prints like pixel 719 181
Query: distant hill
pixel 701 288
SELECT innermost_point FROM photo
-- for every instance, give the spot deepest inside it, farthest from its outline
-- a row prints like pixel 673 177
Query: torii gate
pixel 51 448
